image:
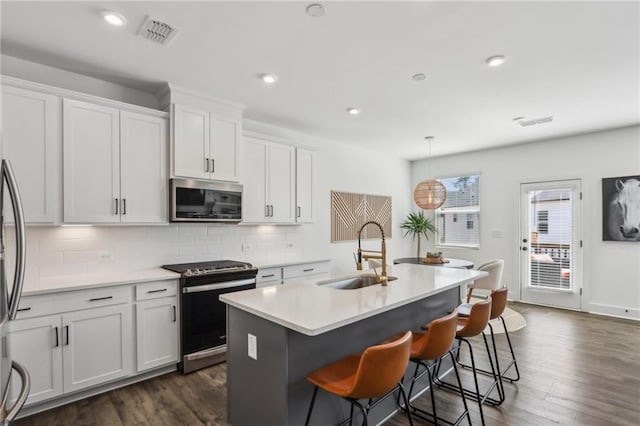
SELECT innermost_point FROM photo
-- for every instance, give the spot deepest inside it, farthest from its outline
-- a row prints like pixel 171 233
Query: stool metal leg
pixel 513 362
pixel 313 401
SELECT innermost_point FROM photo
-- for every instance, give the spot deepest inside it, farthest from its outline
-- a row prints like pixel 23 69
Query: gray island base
pixel 272 388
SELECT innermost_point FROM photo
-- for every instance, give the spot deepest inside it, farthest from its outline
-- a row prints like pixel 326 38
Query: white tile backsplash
pixel 77 250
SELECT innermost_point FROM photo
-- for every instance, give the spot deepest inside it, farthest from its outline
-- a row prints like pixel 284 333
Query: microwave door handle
pixel 18 277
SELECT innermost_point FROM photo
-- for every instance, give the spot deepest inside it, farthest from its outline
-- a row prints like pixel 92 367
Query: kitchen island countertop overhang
pixel 313 309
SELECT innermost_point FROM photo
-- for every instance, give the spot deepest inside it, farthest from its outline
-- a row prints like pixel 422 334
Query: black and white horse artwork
pixel 621 208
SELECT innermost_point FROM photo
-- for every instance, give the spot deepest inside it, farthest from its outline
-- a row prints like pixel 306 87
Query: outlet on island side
pixel 252 345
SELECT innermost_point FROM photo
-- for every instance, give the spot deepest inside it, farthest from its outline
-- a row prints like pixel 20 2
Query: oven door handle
pixel 219 286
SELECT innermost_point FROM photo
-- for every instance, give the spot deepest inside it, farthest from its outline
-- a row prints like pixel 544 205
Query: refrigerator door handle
pixel 24 393
pixel 18 277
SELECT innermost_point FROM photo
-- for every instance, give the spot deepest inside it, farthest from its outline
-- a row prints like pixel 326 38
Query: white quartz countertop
pixel 313 309
pixel 78 282
pixel 289 263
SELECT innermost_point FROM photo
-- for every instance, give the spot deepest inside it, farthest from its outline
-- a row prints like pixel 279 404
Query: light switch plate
pixel 252 344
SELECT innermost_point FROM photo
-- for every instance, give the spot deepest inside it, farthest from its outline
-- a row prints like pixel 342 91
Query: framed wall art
pixel 621 208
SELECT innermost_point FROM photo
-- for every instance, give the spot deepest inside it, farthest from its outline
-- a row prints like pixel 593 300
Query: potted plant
pixel 417 224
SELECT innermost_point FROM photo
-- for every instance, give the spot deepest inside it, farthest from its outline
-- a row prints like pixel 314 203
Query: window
pixel 543 221
pixel 463 198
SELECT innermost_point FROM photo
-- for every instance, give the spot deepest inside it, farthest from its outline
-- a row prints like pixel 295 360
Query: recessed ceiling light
pixel 269 78
pixel 496 61
pixel 518 119
pixel 316 10
pixel 429 138
pixel 114 18
pixel 353 110
pixel 419 77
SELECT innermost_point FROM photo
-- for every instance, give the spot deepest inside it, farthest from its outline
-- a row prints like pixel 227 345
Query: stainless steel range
pixel 203 325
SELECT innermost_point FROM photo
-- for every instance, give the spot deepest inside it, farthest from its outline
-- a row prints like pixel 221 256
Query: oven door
pixel 204 316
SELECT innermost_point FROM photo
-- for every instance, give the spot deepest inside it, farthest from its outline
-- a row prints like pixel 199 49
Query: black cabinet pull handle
pixel 213 165
pixel 66 329
pixel 175 316
pixel 116 206
pixel 96 299
pixel 124 206
pixel 206 162
pixel 157 291
pixel 298 211
pixel 57 341
pixel 267 276
pixel 308 270
pixel 24 309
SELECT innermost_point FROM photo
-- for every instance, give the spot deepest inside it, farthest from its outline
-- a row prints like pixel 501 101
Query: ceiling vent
pixel 526 123
pixel 157 31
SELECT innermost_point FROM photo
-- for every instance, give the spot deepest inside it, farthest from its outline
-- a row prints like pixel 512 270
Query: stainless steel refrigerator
pixel 10 298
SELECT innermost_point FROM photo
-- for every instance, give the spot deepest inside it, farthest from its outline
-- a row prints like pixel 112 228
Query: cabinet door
pixel 254 169
pixel 91 163
pixel 157 332
pixel 281 173
pixel 36 344
pixel 225 148
pixel 304 185
pixel 191 142
pixel 143 168
pixel 31 140
pixel 97 346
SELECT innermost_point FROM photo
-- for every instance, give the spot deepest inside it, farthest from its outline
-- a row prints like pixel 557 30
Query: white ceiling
pixel 577 61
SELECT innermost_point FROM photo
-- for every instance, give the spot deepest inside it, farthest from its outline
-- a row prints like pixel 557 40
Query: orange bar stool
pixel 376 373
pixel 468 327
pixel 434 345
pixel 498 305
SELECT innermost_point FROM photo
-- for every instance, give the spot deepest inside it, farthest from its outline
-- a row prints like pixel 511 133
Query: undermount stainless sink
pixel 352 283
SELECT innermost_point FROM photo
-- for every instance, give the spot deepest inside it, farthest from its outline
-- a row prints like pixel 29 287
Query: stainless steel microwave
pixel 205 201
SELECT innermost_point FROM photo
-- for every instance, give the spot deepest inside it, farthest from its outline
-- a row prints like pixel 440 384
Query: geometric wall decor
pixel 350 211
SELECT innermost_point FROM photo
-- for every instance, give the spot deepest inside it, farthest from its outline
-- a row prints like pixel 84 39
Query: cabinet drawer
pixel 305 269
pixel 156 289
pixel 266 275
pixel 46 304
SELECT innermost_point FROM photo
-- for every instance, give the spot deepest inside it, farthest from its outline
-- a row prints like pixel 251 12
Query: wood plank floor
pixel 576 368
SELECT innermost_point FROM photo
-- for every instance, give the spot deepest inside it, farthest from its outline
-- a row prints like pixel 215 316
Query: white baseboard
pixel 613 311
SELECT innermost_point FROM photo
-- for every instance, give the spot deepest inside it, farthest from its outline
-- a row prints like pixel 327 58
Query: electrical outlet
pixel 105 256
pixel 252 344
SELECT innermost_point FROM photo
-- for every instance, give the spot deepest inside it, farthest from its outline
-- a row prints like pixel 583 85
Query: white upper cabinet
pixel 269 179
pixel 31 140
pixel 91 163
pixel 114 165
pixel 305 170
pixel 143 168
pixel 205 141
pixel 191 142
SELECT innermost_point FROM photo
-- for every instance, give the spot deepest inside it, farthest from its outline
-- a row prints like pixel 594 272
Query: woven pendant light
pixel 429 194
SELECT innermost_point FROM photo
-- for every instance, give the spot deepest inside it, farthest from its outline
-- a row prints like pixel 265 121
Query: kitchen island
pixel 277 335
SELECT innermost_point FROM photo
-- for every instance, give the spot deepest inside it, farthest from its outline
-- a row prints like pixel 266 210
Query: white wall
pixel 611 270
pixel 57 251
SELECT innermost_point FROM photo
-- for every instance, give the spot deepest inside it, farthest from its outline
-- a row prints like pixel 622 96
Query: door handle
pixel 213 165
pixel 124 206
pixel 271 210
pixel 266 210
pixel 524 240
pixel 57 341
pixel 524 249
pixel 206 165
pixel 116 206
pixel 96 299
pixel 175 316
pixel 66 329
pixel 298 211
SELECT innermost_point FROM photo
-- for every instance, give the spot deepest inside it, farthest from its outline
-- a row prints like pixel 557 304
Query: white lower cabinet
pixel 66 353
pixel 97 346
pixel 156 332
pixel 35 343
pixel 75 340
